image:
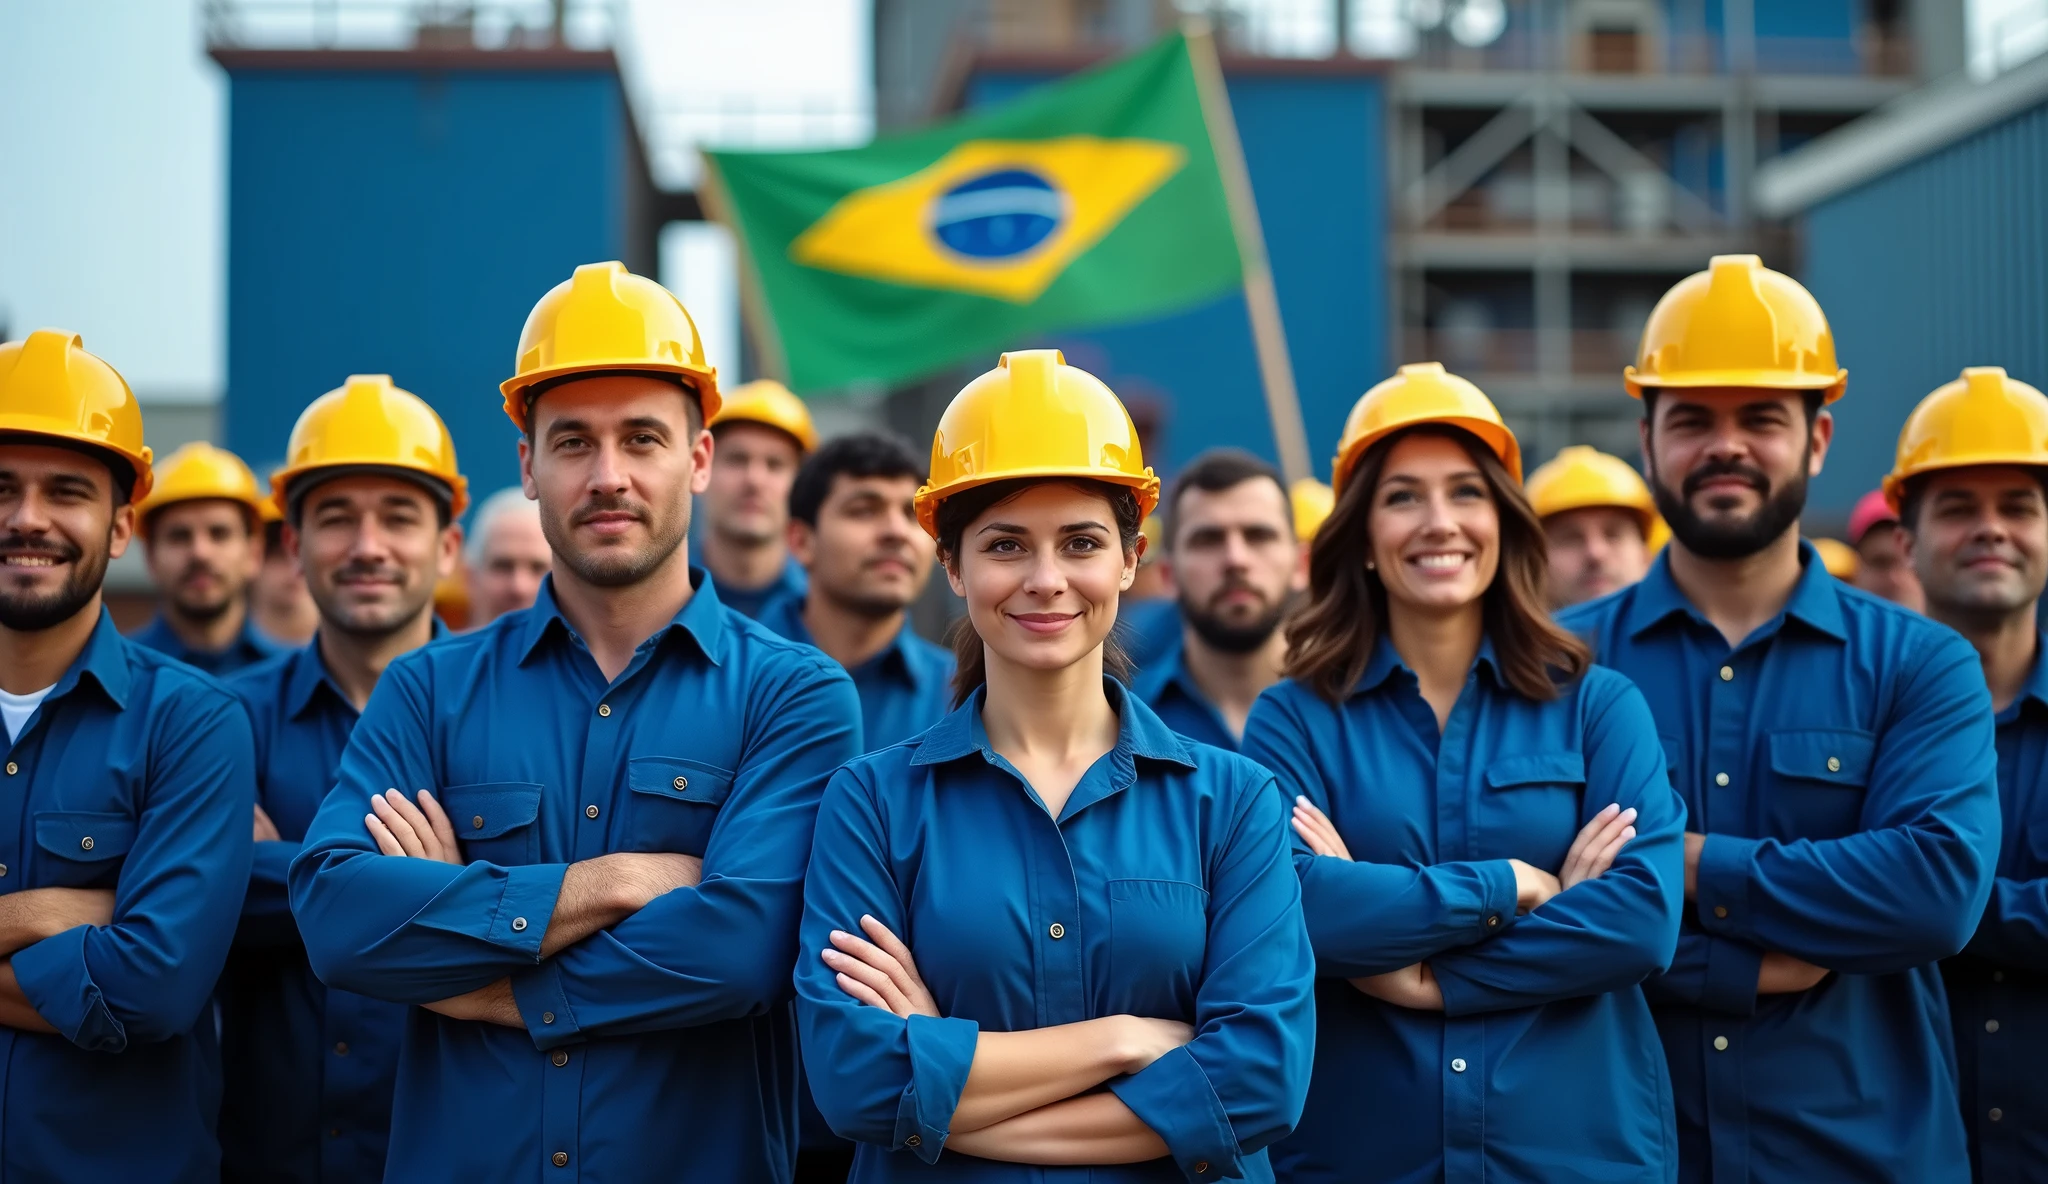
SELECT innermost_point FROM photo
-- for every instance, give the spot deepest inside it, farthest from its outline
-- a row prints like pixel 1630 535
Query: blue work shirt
pixel 904 689
pixel 133 775
pixel 1162 890
pixel 249 647
pixel 1543 1064
pixel 1840 761
pixel 1998 985
pixel 1148 628
pixel 662 1047
pixel 307 1072
pixel 1167 687
pixel 793 584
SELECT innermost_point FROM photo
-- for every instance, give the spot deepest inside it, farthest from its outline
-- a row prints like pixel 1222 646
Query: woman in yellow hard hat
pixel 1105 963
pixel 1488 848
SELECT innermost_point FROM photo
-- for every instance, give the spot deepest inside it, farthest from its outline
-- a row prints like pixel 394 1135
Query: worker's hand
pixel 1599 841
pixel 266 830
pixel 1316 830
pixel 422 831
pixel 1695 842
pixel 493 1004
pixel 1782 974
pixel 1533 885
pixel 878 970
pixel 1414 987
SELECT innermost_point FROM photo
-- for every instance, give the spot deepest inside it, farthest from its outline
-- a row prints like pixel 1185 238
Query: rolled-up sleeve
pixel 394 927
pixel 1240 1085
pixel 876 1077
pixel 148 975
pixel 722 949
pixel 1909 887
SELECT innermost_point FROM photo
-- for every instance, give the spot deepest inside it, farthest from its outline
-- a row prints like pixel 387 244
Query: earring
pixel 1369 566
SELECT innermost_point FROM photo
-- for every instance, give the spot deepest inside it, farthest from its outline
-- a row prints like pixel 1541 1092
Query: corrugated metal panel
pixel 1935 266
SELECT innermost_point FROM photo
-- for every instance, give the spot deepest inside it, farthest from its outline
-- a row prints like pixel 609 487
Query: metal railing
pixel 412 24
pixel 1498 352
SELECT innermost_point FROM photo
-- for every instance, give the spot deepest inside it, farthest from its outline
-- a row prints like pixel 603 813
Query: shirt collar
pixel 702 619
pixel 785 616
pixel 2035 689
pixel 1816 599
pixel 307 673
pixel 1139 732
pixel 104 661
pixel 1386 662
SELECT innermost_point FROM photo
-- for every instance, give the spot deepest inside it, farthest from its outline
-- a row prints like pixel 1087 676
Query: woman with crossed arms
pixel 1488 846
pixel 1049 931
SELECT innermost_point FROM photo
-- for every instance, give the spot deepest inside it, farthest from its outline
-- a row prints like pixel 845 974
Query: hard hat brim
pixel 1494 437
pixel 1894 484
pixel 67 435
pixel 704 382
pixel 455 485
pixel 928 498
pixel 1774 380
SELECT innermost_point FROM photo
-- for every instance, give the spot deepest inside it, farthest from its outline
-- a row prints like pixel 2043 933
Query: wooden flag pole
pixel 1261 300
pixel 754 310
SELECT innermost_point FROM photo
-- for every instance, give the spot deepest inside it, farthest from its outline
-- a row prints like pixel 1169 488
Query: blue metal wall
pixel 404 222
pixel 1315 145
pixel 1938 265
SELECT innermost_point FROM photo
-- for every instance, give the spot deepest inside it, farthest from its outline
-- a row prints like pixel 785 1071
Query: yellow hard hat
pixel 49 386
pixel 766 401
pixel 1423 393
pixel 1034 416
pixel 1982 418
pixel 199 471
pixel 1738 323
pixel 605 319
pixel 1312 501
pixel 1837 556
pixel 1580 478
pixel 1660 534
pixel 1155 540
pixel 369 423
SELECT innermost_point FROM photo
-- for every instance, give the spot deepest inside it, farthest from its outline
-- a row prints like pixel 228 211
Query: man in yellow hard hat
pixel 278 602
pixel 129 779
pixel 1835 755
pixel 1967 488
pixel 368 494
pixel 1597 516
pixel 507 556
pixel 763 433
pixel 576 838
pixel 202 535
pixel 1235 566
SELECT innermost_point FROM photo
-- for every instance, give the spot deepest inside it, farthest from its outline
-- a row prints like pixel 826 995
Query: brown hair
pixel 955 513
pixel 1330 642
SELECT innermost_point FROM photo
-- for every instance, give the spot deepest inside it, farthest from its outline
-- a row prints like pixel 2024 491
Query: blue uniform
pixel 1148 628
pixel 792 585
pixel 1165 685
pixel 1162 890
pixel 1543 1065
pixel 307 1072
pixel 904 689
pixel 662 1047
pixel 249 647
pixel 133 775
pixel 1840 761
pixel 1998 985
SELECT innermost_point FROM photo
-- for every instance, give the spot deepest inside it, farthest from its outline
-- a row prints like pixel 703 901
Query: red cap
pixel 1871 510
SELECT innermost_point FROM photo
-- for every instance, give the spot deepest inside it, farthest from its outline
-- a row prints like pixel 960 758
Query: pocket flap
pixel 1537 768
pixel 489 809
pixel 84 836
pixel 680 778
pixel 1840 755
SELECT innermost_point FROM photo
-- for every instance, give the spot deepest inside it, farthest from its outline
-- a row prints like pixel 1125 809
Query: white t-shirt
pixel 15 709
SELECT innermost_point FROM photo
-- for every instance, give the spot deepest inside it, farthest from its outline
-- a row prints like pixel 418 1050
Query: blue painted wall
pixel 1316 149
pixel 404 222
pixel 1937 265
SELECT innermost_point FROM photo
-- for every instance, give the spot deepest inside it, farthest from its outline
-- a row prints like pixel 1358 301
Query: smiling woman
pixel 1049 930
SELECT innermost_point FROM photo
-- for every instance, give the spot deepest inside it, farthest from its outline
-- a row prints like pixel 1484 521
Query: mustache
pixel 370 571
pixel 1750 474
pixel 608 504
pixel 200 567
pixel 61 550
pixel 1236 584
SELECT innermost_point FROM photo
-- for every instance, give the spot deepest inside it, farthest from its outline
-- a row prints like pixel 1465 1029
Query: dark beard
pixel 1230 637
pixel 33 615
pixel 1738 540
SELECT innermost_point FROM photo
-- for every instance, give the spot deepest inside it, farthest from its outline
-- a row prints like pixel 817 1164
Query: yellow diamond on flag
pixel 999 218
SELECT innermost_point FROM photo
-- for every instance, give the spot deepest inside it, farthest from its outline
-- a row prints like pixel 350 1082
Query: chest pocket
pixel 673 804
pixel 82 849
pixel 1817 781
pixel 495 821
pixel 1159 935
pixel 1532 807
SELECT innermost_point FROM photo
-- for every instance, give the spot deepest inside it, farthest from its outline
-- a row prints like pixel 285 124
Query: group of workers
pixel 1437 825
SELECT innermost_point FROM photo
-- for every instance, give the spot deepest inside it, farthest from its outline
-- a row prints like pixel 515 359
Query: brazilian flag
pixel 1091 201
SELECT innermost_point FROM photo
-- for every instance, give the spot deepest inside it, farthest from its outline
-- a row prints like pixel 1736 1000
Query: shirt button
pixel 561 1159
pixel 590 811
pixel 1727 674
pixel 1720 910
pixel 1201 1167
pixel 1458 1065
pixel 477 822
pixel 1995 1114
pixel 561 1057
pixel 12 768
pixel 1493 922
pixel 1057 930
pixel 3 869
pixel 519 924
pixel 1997 976
pixel 85 844
pixel 682 783
pixel 341 1048
pixel 1834 764
pixel 1720 779
pixel 1991 1025
pixel 1720 1044
pixel 913 1141
pixel 547 1017
pixel 604 709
